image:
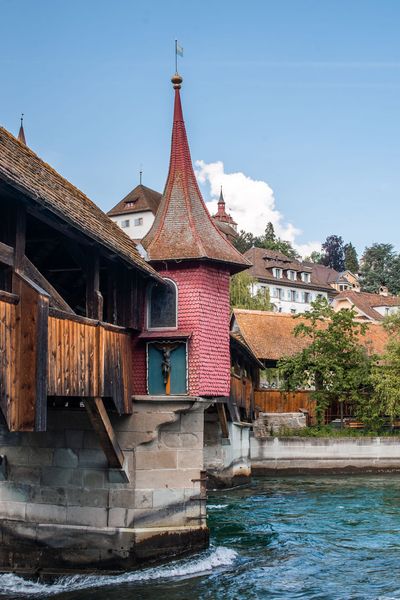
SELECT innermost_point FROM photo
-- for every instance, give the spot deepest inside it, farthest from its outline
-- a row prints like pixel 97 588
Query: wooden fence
pixel 277 401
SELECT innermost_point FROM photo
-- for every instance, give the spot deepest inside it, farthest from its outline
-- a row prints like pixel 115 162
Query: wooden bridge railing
pixel 88 358
pixel 242 393
pixel 59 354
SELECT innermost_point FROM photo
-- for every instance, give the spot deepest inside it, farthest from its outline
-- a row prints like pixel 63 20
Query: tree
pixel 269 241
pixel 333 361
pixel 333 253
pixel 385 378
pixel 315 257
pixel 350 258
pixel 380 266
pixel 241 296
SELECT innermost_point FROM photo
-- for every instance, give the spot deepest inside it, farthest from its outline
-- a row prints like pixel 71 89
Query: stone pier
pixel 62 509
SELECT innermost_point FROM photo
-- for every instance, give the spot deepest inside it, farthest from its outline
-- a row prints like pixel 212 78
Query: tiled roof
pixel 264 260
pixel 183 228
pixel 24 170
pixel 270 335
pixel 322 273
pixel 140 199
pixel 222 215
pixel 366 302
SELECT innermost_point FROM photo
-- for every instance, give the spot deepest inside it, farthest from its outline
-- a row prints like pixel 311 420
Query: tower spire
pixel 21 133
pixel 183 228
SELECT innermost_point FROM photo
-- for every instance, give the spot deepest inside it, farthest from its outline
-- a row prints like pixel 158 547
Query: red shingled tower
pixel 186 246
pixel 222 215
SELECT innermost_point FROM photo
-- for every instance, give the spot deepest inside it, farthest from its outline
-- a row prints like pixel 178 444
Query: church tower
pixel 187 320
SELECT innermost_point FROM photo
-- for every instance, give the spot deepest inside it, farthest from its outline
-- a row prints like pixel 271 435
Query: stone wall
pixel 227 461
pixel 62 508
pixel 297 454
pixel 268 424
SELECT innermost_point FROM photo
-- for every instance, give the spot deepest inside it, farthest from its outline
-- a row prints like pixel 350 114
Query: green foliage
pixel 350 258
pixel 380 266
pixel 269 241
pixel 327 431
pixel 385 377
pixel 333 253
pixel 315 257
pixel 334 362
pixel 241 296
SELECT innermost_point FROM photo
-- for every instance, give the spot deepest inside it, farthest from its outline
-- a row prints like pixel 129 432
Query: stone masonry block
pixel 48 495
pixel 65 457
pixel 12 510
pixel 26 474
pixel 15 456
pixel 46 513
pixel 74 438
pixel 89 516
pixel 159 478
pixel 190 459
pixel 143 499
pixel 192 422
pixel 57 476
pixel 92 458
pixel 122 498
pixel 87 497
pixel 156 460
pixel 14 492
pixel 166 496
pixel 93 478
pixel 40 457
pixel 182 440
pixel 91 440
pixel 117 517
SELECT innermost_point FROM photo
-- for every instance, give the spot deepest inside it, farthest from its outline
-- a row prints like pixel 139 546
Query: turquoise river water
pixel 325 538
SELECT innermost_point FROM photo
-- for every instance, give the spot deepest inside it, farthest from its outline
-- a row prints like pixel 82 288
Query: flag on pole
pixel 179 50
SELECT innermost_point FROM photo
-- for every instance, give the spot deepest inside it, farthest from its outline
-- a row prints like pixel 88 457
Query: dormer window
pixel 292 275
pixel 305 277
pixel 131 203
pixel 277 273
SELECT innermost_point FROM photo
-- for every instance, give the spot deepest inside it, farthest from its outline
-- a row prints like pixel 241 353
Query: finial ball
pixel 176 81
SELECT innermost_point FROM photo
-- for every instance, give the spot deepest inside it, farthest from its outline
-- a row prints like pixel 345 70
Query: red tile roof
pixel 366 302
pixel 264 260
pixel 183 228
pixel 140 199
pixel 270 335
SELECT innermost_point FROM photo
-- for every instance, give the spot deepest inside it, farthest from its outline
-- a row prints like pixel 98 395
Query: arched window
pixel 162 306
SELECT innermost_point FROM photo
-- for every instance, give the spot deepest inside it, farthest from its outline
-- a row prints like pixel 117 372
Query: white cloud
pixel 250 202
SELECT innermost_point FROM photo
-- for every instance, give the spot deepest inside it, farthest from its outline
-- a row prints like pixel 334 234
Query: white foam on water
pixel 14 585
pixel 216 506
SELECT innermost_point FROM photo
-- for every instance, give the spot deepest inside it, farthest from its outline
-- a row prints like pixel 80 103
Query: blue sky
pixel 303 95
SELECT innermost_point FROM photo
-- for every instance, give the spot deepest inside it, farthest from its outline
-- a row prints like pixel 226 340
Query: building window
pixel 306 297
pixel 162 306
pixel 293 311
pixel 125 223
pixel 292 275
pixel 305 277
pixel 293 295
pixel 138 221
pixel 277 273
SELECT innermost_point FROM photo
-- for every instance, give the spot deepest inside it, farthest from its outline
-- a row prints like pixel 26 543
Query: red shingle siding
pixel 203 310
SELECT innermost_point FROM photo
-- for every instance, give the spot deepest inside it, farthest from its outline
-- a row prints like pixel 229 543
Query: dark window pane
pixel 162 306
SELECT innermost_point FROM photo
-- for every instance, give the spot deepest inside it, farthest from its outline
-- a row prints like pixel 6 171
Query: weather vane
pixel 178 52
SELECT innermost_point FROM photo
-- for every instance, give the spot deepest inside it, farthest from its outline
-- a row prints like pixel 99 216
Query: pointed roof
pixel 140 199
pixel 21 133
pixel 222 215
pixel 183 228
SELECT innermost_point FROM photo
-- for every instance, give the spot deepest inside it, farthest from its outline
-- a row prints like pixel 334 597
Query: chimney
pixel 383 291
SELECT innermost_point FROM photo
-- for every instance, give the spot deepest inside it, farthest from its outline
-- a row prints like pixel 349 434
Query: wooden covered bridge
pixel 71 299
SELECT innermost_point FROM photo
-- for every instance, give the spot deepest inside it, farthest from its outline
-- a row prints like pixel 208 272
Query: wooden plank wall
pixel 87 359
pixel 8 354
pixel 277 401
pixel 242 393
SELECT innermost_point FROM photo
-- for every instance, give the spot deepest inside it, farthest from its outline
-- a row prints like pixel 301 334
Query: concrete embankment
pixel 296 454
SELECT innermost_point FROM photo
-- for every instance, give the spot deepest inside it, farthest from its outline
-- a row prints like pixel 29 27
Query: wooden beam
pixel 29 270
pixel 223 420
pixel 19 243
pixel 102 425
pixel 6 254
pixel 94 299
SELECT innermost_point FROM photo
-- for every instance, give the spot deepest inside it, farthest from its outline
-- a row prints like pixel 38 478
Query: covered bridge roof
pixel 23 170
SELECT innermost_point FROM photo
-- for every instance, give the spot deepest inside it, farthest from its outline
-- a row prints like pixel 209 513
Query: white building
pixel 368 307
pixel 292 285
pixel 136 212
